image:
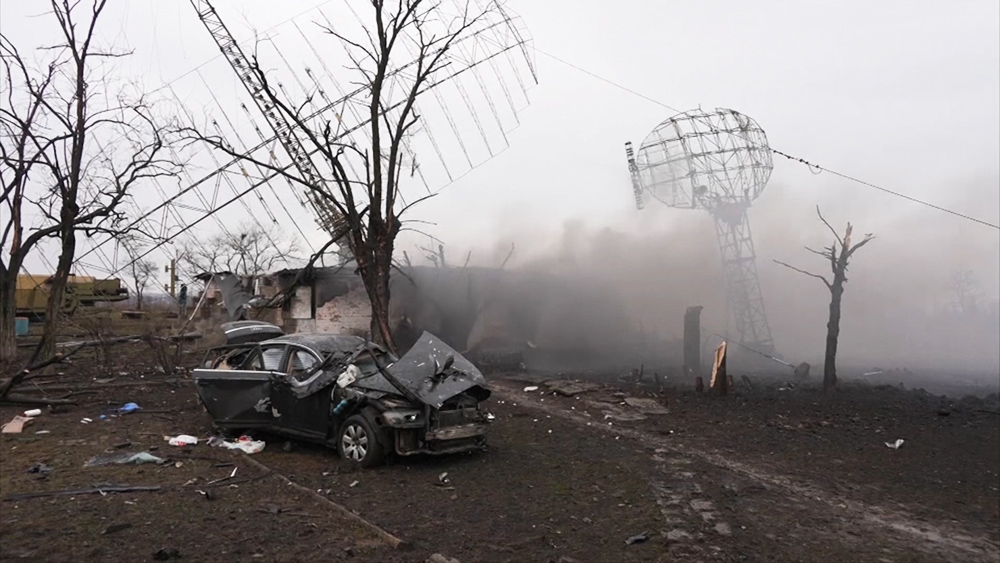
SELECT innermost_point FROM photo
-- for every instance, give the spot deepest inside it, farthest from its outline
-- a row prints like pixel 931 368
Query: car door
pixel 236 389
pixel 304 416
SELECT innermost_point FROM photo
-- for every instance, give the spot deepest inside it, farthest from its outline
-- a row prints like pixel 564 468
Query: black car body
pixel 345 392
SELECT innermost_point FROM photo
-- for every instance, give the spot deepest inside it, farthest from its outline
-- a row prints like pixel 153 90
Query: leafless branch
pixel 801 271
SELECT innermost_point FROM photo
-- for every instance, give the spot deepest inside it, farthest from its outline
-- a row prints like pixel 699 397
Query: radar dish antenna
pixel 718 161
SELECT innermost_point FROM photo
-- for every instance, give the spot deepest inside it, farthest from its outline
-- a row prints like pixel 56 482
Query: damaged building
pixel 499 318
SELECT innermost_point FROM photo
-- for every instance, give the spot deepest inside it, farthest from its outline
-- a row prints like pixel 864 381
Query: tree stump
pixel 719 382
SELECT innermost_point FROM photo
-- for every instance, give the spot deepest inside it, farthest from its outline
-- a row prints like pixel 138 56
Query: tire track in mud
pixel 836 521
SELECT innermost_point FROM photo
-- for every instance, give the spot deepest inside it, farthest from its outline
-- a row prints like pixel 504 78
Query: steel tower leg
pixel 746 303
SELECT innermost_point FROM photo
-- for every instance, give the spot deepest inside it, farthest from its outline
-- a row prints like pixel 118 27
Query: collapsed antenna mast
pixel 327 216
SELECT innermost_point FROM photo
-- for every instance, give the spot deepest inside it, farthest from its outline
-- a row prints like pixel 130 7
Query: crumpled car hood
pixel 416 371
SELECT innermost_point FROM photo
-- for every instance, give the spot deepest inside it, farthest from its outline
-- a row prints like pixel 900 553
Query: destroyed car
pixel 345 392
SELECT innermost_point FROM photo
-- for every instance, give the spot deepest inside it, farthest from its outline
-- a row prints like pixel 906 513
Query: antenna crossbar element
pixel 328 217
pixel 634 171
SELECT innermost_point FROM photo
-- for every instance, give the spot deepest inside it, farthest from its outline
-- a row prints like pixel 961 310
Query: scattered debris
pixel 646 406
pixel 40 468
pixel 639 538
pixel 230 476
pixel 129 407
pixel 530 388
pixel 181 440
pixel 33 412
pixel 353 483
pixel 86 420
pixel 614 412
pixel 895 445
pixel 166 554
pixel 571 388
pixel 115 528
pixel 15 425
pixel 73 492
pixel 678 535
pixel 124 459
pixel 438 558
pixel 244 443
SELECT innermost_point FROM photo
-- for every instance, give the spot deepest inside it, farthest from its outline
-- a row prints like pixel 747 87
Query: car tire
pixel 358 442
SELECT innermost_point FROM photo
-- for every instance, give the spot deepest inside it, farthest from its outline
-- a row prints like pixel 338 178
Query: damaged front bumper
pixel 448 440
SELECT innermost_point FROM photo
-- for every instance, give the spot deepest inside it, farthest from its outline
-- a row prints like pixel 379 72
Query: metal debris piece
pixel 639 538
pixel 571 388
pixel 123 459
pixel 646 406
pixel 115 528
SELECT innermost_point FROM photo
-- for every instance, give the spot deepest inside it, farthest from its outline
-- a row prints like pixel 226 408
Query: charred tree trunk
pixel 833 334
pixel 838 255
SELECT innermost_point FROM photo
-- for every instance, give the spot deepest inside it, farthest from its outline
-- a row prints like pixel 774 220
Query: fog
pixel 631 277
pixel 905 95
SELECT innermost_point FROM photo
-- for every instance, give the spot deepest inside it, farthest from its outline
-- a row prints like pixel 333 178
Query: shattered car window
pixel 302 363
pixel 272 358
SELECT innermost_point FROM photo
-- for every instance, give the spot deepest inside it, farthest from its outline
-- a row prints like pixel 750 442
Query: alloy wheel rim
pixel 355 442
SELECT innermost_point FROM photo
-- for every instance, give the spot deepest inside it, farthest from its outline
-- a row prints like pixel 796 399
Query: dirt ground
pixel 769 474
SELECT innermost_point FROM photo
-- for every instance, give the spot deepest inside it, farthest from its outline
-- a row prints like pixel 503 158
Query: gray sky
pixel 903 94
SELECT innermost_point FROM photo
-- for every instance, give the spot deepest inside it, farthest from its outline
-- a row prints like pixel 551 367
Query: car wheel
pixel 358 443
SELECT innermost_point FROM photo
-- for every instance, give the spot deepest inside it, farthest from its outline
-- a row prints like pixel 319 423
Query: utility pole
pixel 172 270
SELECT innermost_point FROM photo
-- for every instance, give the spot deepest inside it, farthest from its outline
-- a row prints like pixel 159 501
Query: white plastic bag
pixel 182 440
pixel 246 444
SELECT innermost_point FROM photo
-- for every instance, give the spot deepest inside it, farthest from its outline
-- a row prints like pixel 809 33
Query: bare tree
pixel 72 148
pixel 967 292
pixel 249 251
pixel 839 255
pixel 143 272
pixel 415 35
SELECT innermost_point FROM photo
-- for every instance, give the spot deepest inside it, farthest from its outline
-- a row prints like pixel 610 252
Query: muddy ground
pixel 772 474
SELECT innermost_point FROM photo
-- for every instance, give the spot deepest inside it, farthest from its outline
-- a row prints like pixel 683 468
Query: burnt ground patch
pixel 704 480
